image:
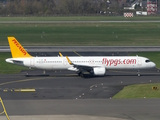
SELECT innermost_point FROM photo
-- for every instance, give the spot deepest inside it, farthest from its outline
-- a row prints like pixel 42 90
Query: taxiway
pixel 63 94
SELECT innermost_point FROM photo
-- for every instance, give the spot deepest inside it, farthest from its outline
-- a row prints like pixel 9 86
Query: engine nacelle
pixel 100 71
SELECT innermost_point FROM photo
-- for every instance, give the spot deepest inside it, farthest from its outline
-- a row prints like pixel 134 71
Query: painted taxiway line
pixel 19 81
pixel 19 90
pixel 24 90
pixel 60 117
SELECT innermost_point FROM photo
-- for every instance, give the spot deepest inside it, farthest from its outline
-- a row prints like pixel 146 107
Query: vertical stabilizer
pixel 17 49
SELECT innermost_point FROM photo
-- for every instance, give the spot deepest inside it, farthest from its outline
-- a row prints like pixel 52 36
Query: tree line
pixel 41 7
pixel 52 7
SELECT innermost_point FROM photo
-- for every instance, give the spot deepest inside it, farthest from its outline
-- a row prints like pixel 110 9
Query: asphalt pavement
pixel 86 48
pixel 63 94
pixel 30 95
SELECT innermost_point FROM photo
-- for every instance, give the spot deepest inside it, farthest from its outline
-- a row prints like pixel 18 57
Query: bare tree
pixel 58 6
pixel 114 6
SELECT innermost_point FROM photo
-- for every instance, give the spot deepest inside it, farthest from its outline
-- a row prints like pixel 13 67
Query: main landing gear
pixel 85 74
pixel 81 74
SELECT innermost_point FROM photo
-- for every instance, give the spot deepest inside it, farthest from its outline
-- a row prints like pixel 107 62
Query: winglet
pixel 60 54
pixel 69 61
pixel 17 49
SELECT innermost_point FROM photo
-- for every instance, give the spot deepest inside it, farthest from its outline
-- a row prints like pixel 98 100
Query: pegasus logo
pixel 19 46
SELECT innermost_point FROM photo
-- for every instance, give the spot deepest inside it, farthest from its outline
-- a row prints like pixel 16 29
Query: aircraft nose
pixel 153 64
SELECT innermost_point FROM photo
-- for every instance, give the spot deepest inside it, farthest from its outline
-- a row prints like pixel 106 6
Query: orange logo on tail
pixel 19 46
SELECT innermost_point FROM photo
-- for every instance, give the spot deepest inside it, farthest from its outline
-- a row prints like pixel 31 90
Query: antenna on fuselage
pixel 77 53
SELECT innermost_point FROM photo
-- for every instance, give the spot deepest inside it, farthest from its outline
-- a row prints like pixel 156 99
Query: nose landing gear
pixel 138 73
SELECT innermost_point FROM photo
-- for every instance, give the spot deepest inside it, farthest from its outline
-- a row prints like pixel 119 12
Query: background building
pixel 151 7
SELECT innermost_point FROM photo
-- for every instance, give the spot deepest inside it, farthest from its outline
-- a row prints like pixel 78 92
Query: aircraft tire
pixel 82 75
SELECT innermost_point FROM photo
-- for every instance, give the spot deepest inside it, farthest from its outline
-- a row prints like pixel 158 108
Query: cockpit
pixel 147 61
pixel 149 64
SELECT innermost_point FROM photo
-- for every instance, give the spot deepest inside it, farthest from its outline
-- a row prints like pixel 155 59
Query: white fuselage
pixel 61 63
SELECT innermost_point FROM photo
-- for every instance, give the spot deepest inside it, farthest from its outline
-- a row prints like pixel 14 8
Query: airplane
pixel 95 65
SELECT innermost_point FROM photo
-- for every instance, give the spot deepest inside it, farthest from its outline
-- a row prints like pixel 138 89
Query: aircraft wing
pixel 78 67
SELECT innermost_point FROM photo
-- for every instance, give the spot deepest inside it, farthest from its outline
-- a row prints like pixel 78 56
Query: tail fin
pixel 17 49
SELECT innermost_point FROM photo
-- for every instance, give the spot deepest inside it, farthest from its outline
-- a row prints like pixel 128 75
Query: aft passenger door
pixel 32 62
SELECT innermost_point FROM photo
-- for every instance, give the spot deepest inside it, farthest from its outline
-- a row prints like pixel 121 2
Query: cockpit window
pixel 147 61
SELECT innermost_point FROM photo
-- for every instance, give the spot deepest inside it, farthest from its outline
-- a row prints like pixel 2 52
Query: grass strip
pixel 139 91
pixel 79 18
pixel 104 34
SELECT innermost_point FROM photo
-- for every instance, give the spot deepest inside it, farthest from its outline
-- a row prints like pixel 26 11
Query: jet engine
pixel 100 71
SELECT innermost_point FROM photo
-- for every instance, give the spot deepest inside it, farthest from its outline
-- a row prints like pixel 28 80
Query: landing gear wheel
pixel 44 72
pixel 138 73
pixel 81 74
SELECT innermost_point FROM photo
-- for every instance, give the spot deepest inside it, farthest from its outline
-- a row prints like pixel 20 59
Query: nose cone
pixel 152 65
